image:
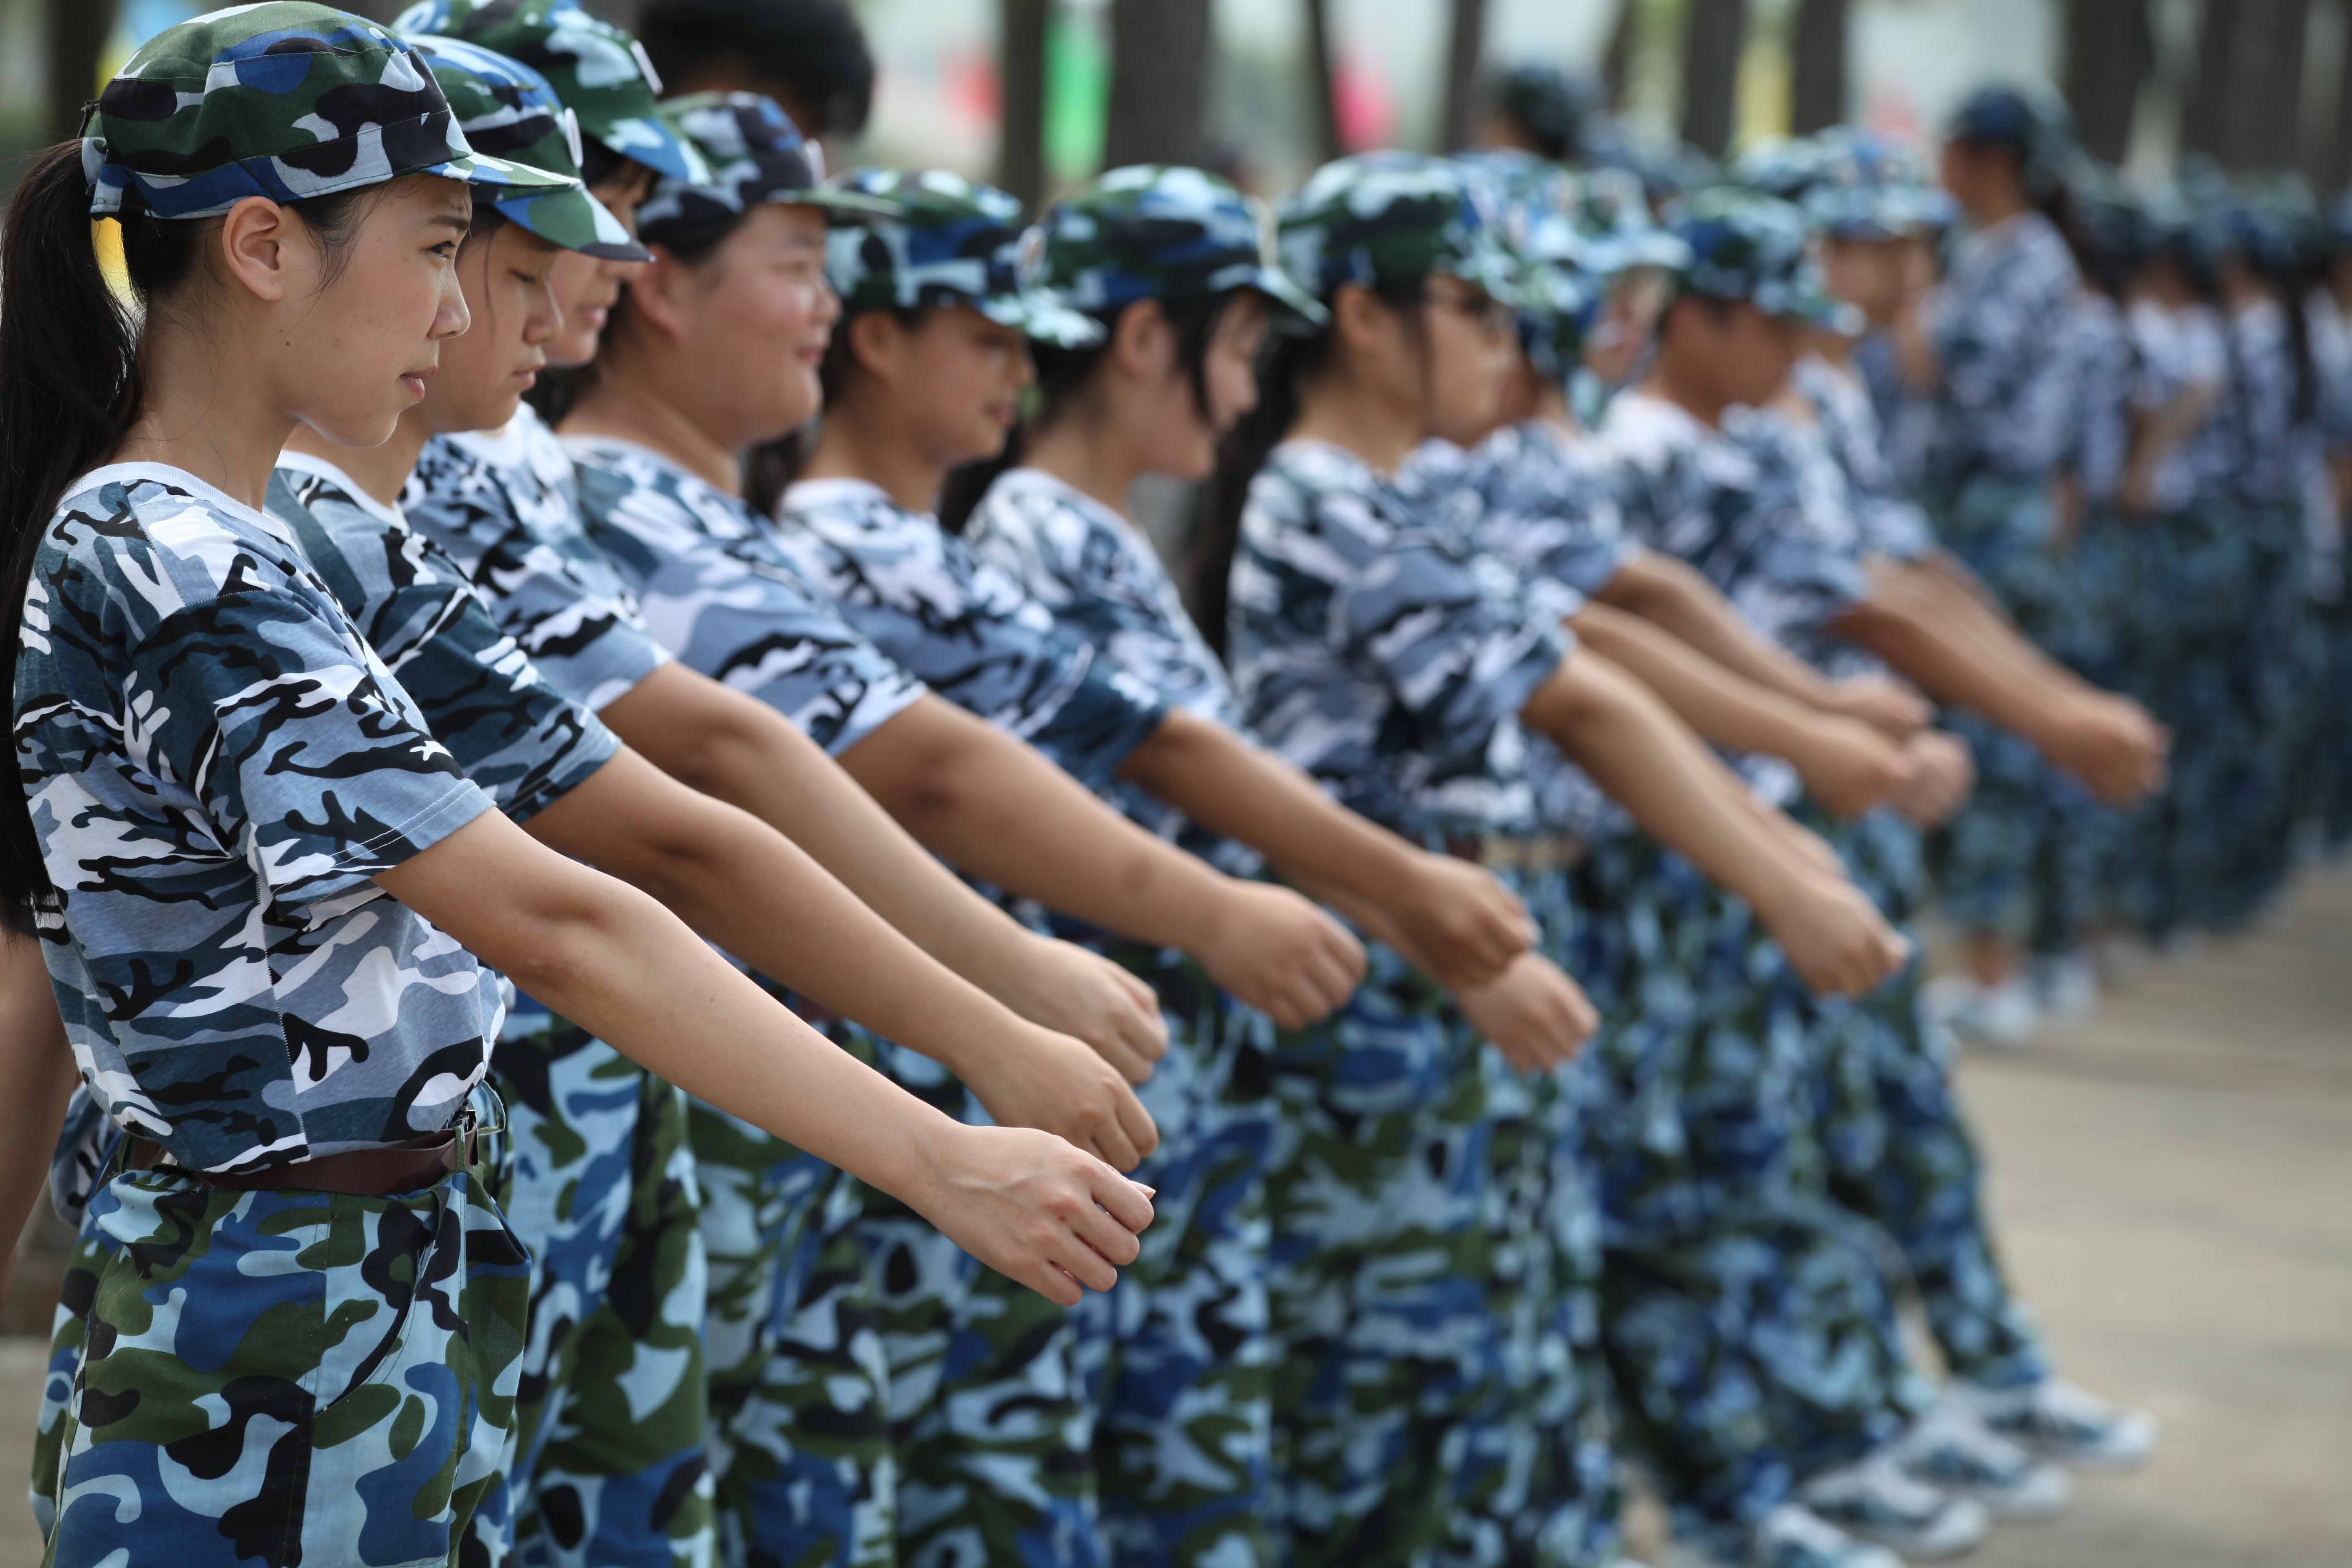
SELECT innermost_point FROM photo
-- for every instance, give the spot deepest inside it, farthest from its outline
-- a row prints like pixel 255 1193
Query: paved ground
pixel 2175 1180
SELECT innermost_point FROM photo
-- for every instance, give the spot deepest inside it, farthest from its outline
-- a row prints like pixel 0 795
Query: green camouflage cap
pixel 952 243
pixel 1393 217
pixel 280 100
pixel 1613 212
pixel 1557 288
pixel 507 108
pixel 1752 247
pixel 1154 231
pixel 755 157
pixel 598 70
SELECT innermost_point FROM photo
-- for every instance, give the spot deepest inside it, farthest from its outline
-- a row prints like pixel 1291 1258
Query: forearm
pixel 38 1066
pixel 1721 705
pixel 1940 649
pixel 996 809
pixel 1252 797
pixel 1669 593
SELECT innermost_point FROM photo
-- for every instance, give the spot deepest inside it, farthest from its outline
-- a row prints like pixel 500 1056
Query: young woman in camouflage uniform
pixel 293 280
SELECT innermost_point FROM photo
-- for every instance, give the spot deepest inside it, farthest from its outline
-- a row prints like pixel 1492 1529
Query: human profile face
pixel 586 288
pixel 1471 345
pixel 752 319
pixel 952 379
pixel 507 276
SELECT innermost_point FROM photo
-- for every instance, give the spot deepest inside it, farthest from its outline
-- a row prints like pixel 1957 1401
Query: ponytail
pixel 1216 534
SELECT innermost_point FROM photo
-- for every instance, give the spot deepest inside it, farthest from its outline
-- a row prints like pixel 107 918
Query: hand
pixel 2110 743
pixel 1065 987
pixel 1033 1208
pixel 1464 922
pixel 1852 768
pixel 1885 704
pixel 1807 848
pixel 1946 772
pixel 1051 1083
pixel 1532 1013
pixel 1836 939
pixel 1278 953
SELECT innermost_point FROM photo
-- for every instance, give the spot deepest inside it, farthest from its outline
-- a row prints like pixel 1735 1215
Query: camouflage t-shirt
pixel 2098 354
pixel 1999 323
pixel 1374 649
pixel 505 507
pixel 717 592
pixel 966 630
pixel 217 764
pixel 1887 520
pixel 2274 440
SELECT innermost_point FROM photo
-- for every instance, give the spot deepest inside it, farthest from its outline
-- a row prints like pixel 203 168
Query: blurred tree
pixel 2246 109
pixel 2330 163
pixel 1021 94
pixel 77 38
pixel 1159 81
pixel 1818 45
pixel 1715 36
pixel 1465 47
pixel 2110 52
pixel 1322 80
pixel 1617 56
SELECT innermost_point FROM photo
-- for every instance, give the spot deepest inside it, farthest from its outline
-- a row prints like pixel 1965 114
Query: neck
pixel 632 400
pixel 1998 207
pixel 1835 348
pixel 1671 381
pixel 207 415
pixel 1088 452
pixel 1551 408
pixel 1341 411
pixel 381 471
pixel 856 443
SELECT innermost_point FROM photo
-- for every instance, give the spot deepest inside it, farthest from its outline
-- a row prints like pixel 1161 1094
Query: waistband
pixel 402 1167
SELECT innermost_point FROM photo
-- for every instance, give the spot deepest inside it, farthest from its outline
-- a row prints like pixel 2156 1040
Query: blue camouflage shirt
pixel 1887 520
pixel 1374 649
pixel 2098 352
pixel 217 765
pixel 966 630
pixel 2271 438
pixel 2175 351
pixel 505 506
pixel 1999 322
pixel 717 592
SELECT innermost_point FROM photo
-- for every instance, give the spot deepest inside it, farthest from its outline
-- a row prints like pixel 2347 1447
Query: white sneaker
pixel 2068 985
pixel 2056 1420
pixel 1789 1537
pixel 1949 1449
pixel 1874 1500
pixel 2002 1014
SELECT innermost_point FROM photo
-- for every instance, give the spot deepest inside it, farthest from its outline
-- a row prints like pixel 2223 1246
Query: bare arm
pixel 735 747
pixel 613 961
pixel 993 806
pixel 38 1066
pixel 1847 765
pixel 751 891
pixel 1462 920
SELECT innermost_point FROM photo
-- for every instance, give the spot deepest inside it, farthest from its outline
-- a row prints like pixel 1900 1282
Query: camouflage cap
pixel 1392 218
pixel 1552 271
pixel 1871 188
pixel 1613 213
pixel 1751 247
pixel 281 100
pixel 600 72
pixel 505 108
pixel 755 157
pixel 2034 123
pixel 952 243
pixel 1556 106
pixel 1157 232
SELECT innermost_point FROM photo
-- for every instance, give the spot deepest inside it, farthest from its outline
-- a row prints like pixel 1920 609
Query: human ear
pixel 263 247
pixel 1359 319
pixel 658 293
pixel 876 340
pixel 1142 344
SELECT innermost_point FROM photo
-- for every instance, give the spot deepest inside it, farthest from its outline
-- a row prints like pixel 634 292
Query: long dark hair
pixel 69 390
pixel 1062 375
pixel 1286 362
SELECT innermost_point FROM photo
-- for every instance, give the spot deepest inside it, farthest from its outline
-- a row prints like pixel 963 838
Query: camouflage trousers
pixel 1749 1333
pixel 2020 858
pixel 607 1463
pixel 1388 1354
pixel 1898 1142
pixel 285 1378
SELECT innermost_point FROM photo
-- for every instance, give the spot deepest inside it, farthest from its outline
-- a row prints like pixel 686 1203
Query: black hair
pixel 1286 362
pixel 814 48
pixel 560 389
pixel 70 390
pixel 1062 376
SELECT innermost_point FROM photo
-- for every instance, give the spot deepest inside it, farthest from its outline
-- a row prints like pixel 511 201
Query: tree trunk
pixel 2247 112
pixel 1323 97
pixel 1021 117
pixel 1465 47
pixel 2110 49
pixel 77 33
pixel 1818 94
pixel 1159 82
pixel 1715 38
pixel 1617 59
pixel 2200 120
pixel 2334 165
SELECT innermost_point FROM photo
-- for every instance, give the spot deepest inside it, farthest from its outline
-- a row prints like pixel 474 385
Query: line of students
pixel 314 605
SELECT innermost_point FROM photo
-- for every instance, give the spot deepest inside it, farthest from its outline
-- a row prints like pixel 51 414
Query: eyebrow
pixel 462 223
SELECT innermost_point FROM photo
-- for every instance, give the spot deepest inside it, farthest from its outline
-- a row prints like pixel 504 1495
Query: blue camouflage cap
pixel 507 108
pixel 754 157
pixel 281 100
pixel 1557 287
pixel 597 69
pixel 1754 248
pixel 952 242
pixel 2033 124
pixel 1392 218
pixel 1612 212
pixel 1874 188
pixel 1155 231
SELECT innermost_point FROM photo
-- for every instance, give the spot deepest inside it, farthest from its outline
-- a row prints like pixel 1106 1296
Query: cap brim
pixel 576 221
pixel 1289 299
pixel 1047 320
pixel 850 207
pixel 652 144
pixel 481 168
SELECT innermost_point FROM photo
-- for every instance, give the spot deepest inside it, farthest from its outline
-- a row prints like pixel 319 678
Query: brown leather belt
pixel 363 1172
